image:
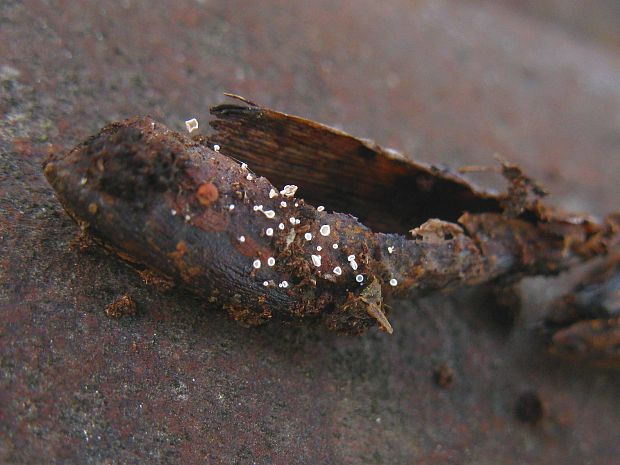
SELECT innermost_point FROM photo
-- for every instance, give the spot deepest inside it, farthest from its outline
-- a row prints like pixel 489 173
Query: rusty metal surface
pixel 448 82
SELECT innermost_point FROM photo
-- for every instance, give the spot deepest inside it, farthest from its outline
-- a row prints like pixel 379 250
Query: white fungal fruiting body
pixel 231 207
pixel 241 238
pixel 316 260
pixel 319 248
pixel 390 249
pixel 351 258
pixel 173 212
pixel 283 204
pixel 265 283
pixel 244 166
pixel 308 236
pixel 257 207
pixel 191 125
pixel 249 177
pixel 292 219
pixel 353 264
pixel 271 261
pixel 338 271
pixel 281 226
pixel 187 217
pixel 269 214
pixel 289 190
pixel 273 193
pixel 334 246
pixel 325 230
pixel 269 231
pixel 216 147
pixel 359 278
pixel 283 284
pixel 256 264
pixel 393 282
pixel 320 208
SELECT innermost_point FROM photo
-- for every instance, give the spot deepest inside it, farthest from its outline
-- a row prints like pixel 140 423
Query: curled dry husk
pixel 228 233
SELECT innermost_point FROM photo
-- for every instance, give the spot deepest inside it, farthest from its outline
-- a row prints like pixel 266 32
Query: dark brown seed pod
pixel 199 217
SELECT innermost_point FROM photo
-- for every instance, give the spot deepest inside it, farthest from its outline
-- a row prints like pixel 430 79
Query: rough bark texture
pixel 445 81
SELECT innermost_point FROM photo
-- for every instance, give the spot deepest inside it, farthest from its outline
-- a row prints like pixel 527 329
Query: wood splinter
pixel 241 233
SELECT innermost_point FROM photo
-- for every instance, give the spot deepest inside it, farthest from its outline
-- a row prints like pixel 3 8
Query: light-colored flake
pixel 271 261
pixel 273 193
pixel 269 213
pixel 393 282
pixel 308 236
pixel 269 232
pixel 353 264
pixel 338 271
pixel 316 260
pixel 283 204
pixel 256 264
pixel 191 125
pixel 289 190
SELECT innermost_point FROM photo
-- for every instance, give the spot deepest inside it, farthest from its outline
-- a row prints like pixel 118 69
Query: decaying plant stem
pixel 222 230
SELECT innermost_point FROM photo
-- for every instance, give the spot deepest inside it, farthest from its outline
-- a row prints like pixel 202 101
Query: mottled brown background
pixel 445 81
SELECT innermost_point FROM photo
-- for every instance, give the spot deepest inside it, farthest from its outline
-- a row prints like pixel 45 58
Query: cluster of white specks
pixel 393 282
pixel 173 212
pixel 308 236
pixel 231 207
pixel 319 248
pixel 325 230
pixel 191 125
pixel 390 249
pixel 359 278
pixel 289 190
pixel 334 246
pixel 216 147
pixel 241 238
pixel 283 204
pixel 338 271
pixel 256 264
pixel 273 193
pixel 269 232
pixel 320 208
pixel 316 260
pixel 281 226
pixel 283 284
pixel 271 261
pixel 269 214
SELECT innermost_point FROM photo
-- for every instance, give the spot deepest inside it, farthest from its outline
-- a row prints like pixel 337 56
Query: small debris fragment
pixel 529 408
pixel 123 306
pixel 443 375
